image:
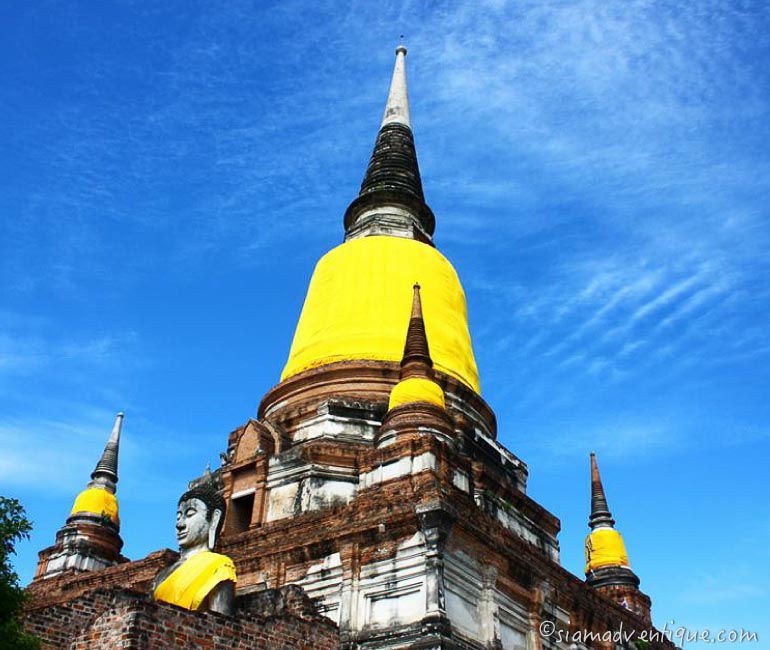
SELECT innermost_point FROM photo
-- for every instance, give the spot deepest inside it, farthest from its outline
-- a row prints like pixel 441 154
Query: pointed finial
pixel 401 47
pixel 107 467
pixel 397 107
pixel 416 360
pixel 416 302
pixel 600 512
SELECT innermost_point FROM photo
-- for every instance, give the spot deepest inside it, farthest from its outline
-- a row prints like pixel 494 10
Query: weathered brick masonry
pixel 114 619
pixel 131 575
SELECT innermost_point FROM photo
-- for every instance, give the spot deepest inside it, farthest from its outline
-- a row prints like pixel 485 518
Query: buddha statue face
pixel 198 520
pixel 192 523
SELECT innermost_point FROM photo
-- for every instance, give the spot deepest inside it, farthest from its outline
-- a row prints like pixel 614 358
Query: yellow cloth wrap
pixel 97 501
pixel 416 389
pixel 359 302
pixel 604 547
pixel 189 584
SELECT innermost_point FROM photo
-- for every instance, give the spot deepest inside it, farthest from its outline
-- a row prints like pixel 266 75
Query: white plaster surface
pixel 326 425
pixel 463 613
pixel 72 559
pixel 463 582
pixel 243 493
pixel 298 486
pixel 511 638
pixel 514 622
pixel 281 501
pixel 319 494
pixel 392 591
pixel 396 469
pixel 323 583
pixel 397 108
pixel 396 606
pixel 460 480
pixel 520 525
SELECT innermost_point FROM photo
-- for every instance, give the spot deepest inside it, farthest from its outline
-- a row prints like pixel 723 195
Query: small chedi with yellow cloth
pixel 200 579
pixel 90 539
pixel 607 568
pixel 98 499
pixel 416 379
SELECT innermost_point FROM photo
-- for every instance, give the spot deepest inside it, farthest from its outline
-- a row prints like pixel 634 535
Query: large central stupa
pixel 372 477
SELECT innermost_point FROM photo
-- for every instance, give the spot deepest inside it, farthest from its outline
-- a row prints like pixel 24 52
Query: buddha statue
pixel 200 579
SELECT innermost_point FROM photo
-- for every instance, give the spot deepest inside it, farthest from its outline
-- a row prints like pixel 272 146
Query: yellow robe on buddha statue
pixel 189 584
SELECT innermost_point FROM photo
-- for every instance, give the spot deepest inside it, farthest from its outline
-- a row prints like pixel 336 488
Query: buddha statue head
pixel 199 518
pixel 199 579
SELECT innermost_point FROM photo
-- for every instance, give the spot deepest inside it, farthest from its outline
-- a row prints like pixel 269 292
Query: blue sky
pixel 171 172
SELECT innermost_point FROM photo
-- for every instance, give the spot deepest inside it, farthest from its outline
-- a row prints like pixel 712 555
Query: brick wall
pixel 115 619
pixel 71 584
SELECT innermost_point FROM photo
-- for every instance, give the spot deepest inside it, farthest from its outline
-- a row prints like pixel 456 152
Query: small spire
pixel 108 463
pixel 397 106
pixel 416 360
pixel 600 512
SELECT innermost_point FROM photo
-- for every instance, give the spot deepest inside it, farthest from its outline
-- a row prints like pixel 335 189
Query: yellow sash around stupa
pixel 604 547
pixel 358 303
pixel 189 584
pixel 416 389
pixel 97 501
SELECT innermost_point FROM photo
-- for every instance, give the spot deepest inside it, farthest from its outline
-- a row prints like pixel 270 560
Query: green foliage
pixel 642 644
pixel 14 526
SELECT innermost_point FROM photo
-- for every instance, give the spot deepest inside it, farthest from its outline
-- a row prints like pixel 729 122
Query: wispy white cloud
pixel 70 437
pixel 21 353
pixel 604 314
pixel 636 115
pixel 619 440
pixel 70 443
pixel 716 589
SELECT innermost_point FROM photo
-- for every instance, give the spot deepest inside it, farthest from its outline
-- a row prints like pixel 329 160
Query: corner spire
pixel 416 383
pixel 391 201
pixel 600 512
pixel 107 466
pixel 90 539
pixel 607 568
pixel 416 360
